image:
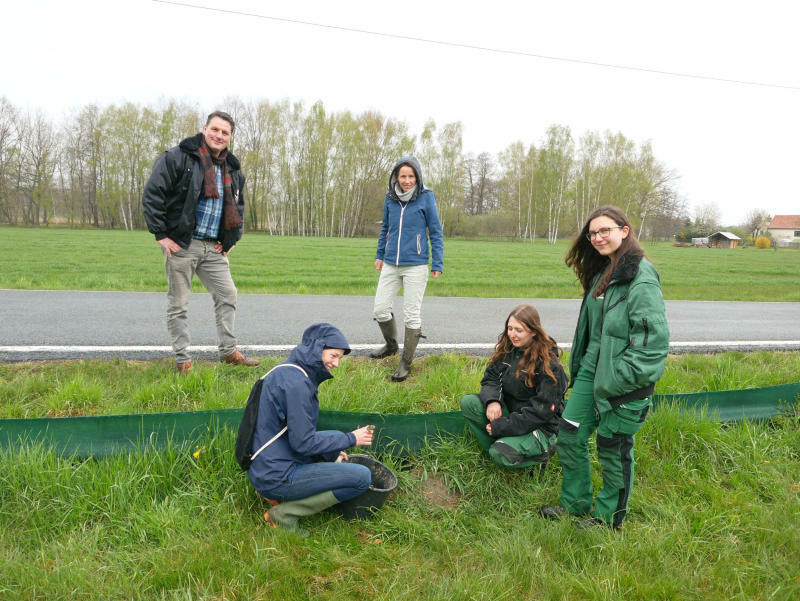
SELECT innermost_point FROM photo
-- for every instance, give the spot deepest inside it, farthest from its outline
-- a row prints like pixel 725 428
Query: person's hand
pixel 169 245
pixel 364 436
pixel 378 264
pixel 489 429
pixel 435 274
pixel 493 411
pixel 342 456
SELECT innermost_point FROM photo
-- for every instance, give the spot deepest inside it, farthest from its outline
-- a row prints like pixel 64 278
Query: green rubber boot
pixel 409 348
pixel 390 336
pixel 286 515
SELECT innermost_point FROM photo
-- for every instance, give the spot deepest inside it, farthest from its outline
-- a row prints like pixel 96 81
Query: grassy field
pixel 96 387
pixel 117 260
pixel 713 515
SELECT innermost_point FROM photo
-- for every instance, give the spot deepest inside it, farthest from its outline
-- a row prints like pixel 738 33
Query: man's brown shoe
pixel 237 358
pixel 183 368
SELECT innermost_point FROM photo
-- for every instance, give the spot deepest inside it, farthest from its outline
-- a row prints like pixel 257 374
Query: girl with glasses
pixel 618 353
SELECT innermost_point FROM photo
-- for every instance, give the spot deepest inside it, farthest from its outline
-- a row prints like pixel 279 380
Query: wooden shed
pixel 723 240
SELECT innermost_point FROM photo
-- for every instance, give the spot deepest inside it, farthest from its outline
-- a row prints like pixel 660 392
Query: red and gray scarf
pixel 230 214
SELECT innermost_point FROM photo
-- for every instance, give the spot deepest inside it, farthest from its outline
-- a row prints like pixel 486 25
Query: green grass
pixel 117 260
pixel 714 512
pixel 96 387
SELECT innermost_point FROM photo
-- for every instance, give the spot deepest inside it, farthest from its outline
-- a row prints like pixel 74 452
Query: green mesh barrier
pixel 398 435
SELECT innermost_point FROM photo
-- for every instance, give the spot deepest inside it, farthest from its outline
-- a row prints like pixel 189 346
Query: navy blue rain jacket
pixel 289 398
pixel 406 225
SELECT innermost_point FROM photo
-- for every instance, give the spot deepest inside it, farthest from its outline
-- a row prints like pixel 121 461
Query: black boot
pixel 390 336
pixel 409 348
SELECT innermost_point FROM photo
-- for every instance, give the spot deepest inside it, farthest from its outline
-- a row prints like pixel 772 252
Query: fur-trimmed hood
pixel 628 266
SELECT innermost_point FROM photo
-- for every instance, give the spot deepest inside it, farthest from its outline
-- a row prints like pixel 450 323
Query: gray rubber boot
pixel 409 348
pixel 285 515
pixel 390 336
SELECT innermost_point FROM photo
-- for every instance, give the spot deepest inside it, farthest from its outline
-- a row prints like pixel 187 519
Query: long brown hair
pixel 540 348
pixel 586 262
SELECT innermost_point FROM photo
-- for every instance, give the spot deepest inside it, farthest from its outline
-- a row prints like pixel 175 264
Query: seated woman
pixel 297 469
pixel 515 415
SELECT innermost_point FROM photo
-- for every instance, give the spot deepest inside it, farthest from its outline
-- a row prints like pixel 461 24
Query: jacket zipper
pixel 602 322
pixel 400 232
pixel 646 330
pixel 624 296
pixel 419 249
pixel 583 302
pixel 605 311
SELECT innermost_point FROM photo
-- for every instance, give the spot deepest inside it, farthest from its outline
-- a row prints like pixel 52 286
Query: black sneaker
pixel 552 512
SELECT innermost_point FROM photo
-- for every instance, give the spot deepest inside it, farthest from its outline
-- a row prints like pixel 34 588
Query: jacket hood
pixel 410 160
pixel 628 266
pixel 308 354
pixel 192 146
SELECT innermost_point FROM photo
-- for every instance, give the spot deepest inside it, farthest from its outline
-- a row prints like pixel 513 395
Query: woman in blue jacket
pixel 293 463
pixel 409 219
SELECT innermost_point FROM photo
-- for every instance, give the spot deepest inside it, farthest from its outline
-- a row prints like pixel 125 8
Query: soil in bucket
pixel 384 481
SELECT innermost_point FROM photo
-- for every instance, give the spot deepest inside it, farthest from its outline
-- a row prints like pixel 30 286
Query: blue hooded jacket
pixel 289 398
pixel 406 225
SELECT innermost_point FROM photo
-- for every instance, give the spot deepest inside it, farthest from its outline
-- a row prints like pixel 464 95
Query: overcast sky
pixel 732 144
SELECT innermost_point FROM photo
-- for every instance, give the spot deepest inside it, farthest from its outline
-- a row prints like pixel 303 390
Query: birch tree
pixel 556 160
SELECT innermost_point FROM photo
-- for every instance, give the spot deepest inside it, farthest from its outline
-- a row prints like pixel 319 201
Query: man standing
pixel 194 203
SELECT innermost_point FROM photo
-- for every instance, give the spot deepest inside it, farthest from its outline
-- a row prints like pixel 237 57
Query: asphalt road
pixel 38 324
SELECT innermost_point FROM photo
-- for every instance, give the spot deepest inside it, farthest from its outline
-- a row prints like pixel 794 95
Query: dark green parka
pixel 635 336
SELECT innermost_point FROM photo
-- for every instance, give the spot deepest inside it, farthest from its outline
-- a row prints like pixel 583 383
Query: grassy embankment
pixel 95 387
pixel 118 260
pixel 713 515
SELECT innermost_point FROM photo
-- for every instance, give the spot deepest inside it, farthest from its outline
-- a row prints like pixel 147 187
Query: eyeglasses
pixel 603 232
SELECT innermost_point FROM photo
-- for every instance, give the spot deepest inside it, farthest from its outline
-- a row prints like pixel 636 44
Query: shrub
pixel 762 242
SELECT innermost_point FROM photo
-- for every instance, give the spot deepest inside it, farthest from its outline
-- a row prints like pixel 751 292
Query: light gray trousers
pixel 213 270
pixel 413 279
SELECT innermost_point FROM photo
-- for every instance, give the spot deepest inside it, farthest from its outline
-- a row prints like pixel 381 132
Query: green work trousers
pixel 615 437
pixel 510 451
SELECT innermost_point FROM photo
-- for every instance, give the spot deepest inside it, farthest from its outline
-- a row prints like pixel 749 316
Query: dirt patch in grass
pixel 436 492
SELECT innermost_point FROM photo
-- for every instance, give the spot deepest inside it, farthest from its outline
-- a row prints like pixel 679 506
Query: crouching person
pixel 298 469
pixel 515 415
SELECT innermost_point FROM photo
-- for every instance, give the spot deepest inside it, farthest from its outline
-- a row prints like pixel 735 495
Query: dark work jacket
pixel 170 197
pixel 289 398
pixel 537 407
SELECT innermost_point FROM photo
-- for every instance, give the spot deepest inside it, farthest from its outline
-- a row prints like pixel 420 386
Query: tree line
pixel 312 172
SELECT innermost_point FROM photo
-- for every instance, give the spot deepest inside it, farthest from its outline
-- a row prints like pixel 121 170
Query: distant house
pixel 785 228
pixel 723 240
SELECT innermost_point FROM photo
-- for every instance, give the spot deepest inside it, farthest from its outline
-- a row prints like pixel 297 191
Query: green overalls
pixel 618 354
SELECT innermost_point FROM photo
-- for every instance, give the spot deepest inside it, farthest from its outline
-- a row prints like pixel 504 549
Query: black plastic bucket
pixel 384 481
